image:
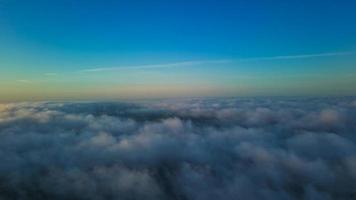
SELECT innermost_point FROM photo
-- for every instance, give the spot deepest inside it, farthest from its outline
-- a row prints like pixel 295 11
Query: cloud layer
pixel 201 149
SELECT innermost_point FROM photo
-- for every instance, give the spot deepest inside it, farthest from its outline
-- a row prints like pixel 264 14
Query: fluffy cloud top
pixel 199 149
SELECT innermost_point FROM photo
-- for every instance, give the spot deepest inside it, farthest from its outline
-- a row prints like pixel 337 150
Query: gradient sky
pixel 87 49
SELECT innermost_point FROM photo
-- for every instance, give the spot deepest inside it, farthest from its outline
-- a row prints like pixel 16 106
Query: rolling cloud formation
pixel 187 149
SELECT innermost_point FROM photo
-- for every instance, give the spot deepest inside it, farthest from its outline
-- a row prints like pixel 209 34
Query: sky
pixel 104 50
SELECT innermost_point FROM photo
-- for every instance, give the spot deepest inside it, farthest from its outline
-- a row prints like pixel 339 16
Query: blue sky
pixel 137 49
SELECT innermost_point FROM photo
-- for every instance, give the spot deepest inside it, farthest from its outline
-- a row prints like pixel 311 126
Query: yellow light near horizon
pixel 3 107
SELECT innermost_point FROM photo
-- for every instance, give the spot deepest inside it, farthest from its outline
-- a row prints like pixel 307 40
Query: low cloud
pixel 248 148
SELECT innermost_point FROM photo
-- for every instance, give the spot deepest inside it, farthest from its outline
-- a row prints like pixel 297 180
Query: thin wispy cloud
pixel 32 81
pixel 223 61
pixel 24 81
pixel 154 66
pixel 300 56
pixel 50 74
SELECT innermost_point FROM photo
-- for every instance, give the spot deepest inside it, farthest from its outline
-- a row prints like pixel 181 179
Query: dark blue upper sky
pixel 62 36
pixel 221 28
